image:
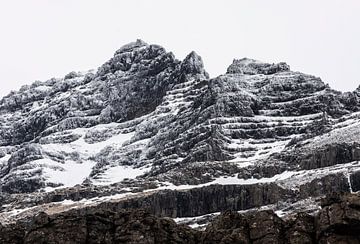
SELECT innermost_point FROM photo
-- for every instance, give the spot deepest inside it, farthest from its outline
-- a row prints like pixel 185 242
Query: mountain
pixel 146 130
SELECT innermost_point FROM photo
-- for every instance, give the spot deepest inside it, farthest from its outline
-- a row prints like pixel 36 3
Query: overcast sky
pixel 41 39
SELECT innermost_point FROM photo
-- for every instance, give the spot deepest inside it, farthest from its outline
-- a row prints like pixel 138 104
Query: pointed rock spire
pixel 193 64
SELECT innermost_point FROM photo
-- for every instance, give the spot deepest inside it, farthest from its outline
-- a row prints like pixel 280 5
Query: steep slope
pixel 146 130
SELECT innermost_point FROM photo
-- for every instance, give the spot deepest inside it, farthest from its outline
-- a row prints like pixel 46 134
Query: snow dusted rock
pixel 57 113
pixel 253 67
pixel 145 121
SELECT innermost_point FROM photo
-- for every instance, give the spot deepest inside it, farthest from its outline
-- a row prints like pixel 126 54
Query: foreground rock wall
pixel 337 222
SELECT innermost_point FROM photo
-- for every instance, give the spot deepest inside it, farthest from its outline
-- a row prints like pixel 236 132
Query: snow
pixel 198 226
pixel 349 181
pixel 234 180
pixel 309 97
pixel 5 159
pixel 94 148
pixel 68 174
pixel 231 180
pixel 67 202
pixel 175 98
pixel 36 106
pixel 62 96
pixel 287 118
pixel 82 147
pixel 258 151
pixel 43 88
pixel 71 173
pixel 16 212
pixel 280 213
pixel 193 222
pixel 246 152
pixel 119 173
pixel 269 120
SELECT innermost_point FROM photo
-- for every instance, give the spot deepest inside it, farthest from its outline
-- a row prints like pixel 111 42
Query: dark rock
pixel 201 201
pixel 337 222
pixel 331 155
pixel 355 181
pixel 266 227
pixel 326 185
pixel 229 227
pixel 101 227
pixel 301 229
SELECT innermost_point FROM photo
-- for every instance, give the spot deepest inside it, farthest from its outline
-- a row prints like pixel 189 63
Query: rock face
pixel 337 222
pixel 146 130
pixel 99 227
pixel 201 201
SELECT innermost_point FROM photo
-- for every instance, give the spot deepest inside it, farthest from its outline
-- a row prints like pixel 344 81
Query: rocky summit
pixel 146 137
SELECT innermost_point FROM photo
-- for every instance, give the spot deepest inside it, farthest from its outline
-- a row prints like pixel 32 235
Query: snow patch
pixel 119 173
pixel 67 174
pixel 230 180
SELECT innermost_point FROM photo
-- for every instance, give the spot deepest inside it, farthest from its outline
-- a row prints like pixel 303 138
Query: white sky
pixel 40 39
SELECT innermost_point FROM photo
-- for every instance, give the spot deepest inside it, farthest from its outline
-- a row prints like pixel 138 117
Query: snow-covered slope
pixel 145 120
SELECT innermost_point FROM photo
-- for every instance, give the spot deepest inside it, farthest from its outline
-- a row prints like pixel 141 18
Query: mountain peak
pixel 132 46
pixel 193 64
pixel 132 54
pixel 252 67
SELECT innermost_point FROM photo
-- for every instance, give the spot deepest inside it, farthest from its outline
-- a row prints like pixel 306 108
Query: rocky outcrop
pixel 201 201
pixel 98 226
pixel 328 155
pixel 253 67
pixel 337 222
pixel 185 203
